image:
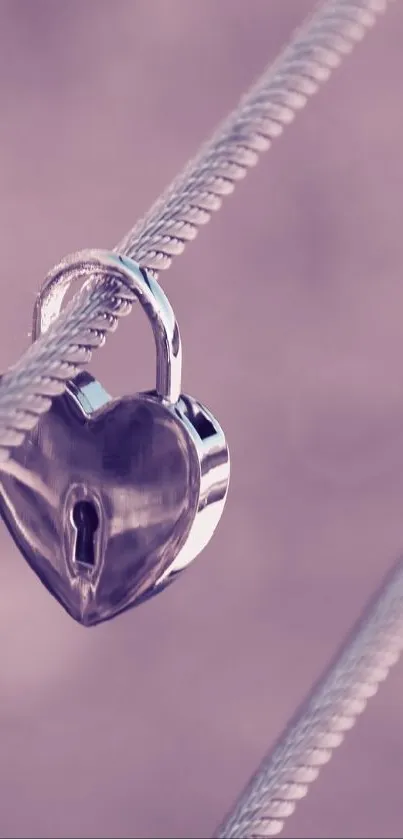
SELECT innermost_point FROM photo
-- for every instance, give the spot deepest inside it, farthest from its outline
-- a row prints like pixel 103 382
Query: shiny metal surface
pixel 188 203
pixel 109 499
pixel 50 197
pixel 99 265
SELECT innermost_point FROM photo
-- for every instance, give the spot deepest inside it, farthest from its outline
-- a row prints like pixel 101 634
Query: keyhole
pixel 85 520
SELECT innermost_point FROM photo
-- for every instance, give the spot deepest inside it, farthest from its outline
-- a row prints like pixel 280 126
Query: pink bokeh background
pixel 291 311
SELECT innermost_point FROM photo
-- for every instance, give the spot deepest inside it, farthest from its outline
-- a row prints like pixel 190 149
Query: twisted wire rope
pixel 271 104
pixel 320 724
pixel 26 390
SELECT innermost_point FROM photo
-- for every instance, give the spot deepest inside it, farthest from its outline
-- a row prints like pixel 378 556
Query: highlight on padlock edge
pixel 109 500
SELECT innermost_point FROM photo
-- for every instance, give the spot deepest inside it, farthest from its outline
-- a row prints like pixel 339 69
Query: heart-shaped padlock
pixel 111 498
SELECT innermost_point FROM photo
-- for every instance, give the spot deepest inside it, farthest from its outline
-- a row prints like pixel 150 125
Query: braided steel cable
pixel 44 370
pixel 27 389
pixel 317 48
pixel 332 708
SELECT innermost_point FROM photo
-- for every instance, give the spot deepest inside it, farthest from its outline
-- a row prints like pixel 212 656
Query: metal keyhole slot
pixel 86 522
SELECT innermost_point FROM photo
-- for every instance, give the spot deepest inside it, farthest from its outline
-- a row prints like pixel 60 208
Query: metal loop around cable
pixel 97 265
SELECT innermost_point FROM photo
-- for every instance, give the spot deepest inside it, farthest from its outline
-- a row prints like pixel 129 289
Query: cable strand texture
pixel 271 104
pixel 319 726
pixel 318 47
pixel 27 389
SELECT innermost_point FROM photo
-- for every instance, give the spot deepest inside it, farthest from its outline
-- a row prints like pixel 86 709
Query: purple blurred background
pixel 151 725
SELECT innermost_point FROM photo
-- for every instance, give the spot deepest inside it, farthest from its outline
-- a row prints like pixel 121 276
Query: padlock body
pixel 110 499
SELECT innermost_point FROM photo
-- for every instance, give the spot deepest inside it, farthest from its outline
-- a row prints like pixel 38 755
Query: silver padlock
pixel 110 499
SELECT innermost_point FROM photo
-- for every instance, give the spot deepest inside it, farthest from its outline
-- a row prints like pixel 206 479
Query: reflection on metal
pixel 27 388
pixel 135 486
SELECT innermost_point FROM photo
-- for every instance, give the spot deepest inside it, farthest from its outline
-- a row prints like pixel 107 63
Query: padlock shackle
pixel 86 265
